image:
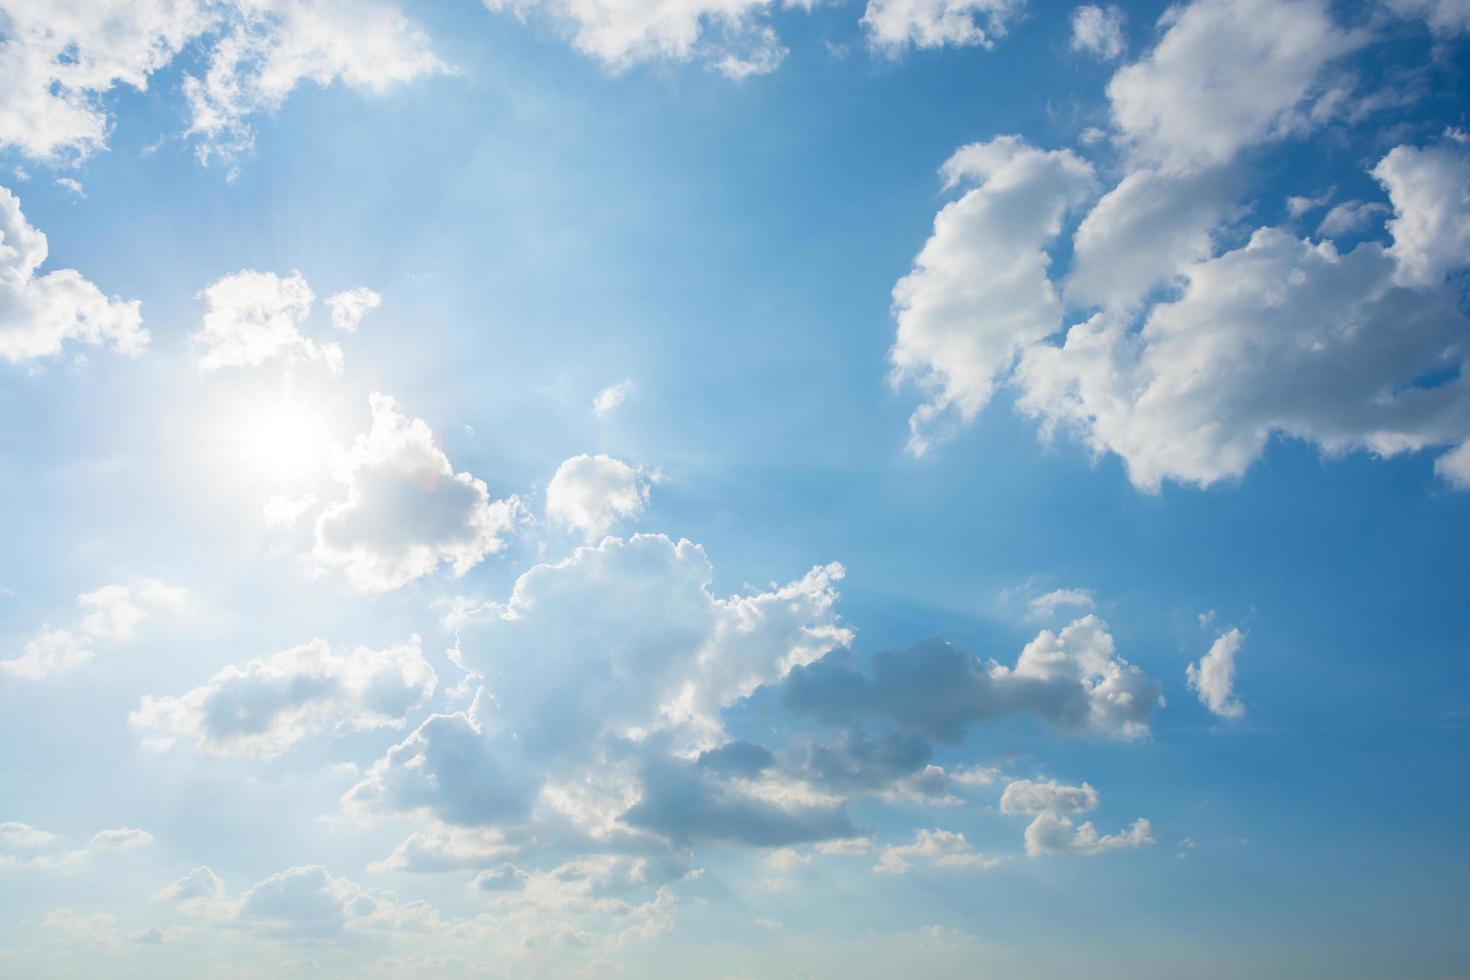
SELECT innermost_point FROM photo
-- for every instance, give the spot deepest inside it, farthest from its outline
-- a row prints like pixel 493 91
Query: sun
pixel 280 440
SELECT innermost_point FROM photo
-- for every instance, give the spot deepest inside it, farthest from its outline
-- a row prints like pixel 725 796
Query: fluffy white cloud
pixel 25 847
pixel 611 397
pixel 1348 217
pixel 1072 680
pixel 201 890
pixel 939 848
pixel 1033 797
pixel 108 616
pixel 1281 335
pixel 1098 31
pixel 254 317
pixel 591 494
pixel 40 313
pixel 731 35
pixel 1213 678
pixel 1045 606
pixel 58 58
pixel 261 709
pixel 1053 834
pixel 1144 233
pixel 602 674
pixel 1430 190
pixel 308 903
pixel 448 848
pixel 896 24
pixel 979 291
pixel 350 306
pixel 1227 74
pixel 1052 831
pixel 268 47
pixel 406 510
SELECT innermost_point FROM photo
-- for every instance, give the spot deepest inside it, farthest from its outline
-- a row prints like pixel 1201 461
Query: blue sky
pixel 724 489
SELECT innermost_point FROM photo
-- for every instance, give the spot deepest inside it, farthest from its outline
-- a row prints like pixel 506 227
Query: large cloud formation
pixel 406 509
pixel 39 314
pixel 1195 356
pixel 602 680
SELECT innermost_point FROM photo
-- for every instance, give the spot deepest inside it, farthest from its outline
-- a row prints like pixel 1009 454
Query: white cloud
pixel 447 848
pixel 1227 74
pixel 16 836
pixel 121 839
pixel 1446 18
pixel 199 891
pixel 1144 233
pixel 611 397
pixel 58 57
pixel 1213 678
pixel 602 674
pixel 41 313
pixel 1098 31
pixel 979 292
pixel 307 903
pixel 896 24
pixel 1348 217
pixel 25 847
pixel 108 616
pixel 730 35
pixel 1033 797
pixel 254 317
pixel 282 511
pixel 1430 190
pixel 592 494
pixel 1053 834
pixel 406 510
pixel 269 47
pixel 350 306
pixel 846 847
pixel 1052 831
pixel 1072 680
pixel 72 186
pixel 261 709
pixel 1046 606
pixel 938 848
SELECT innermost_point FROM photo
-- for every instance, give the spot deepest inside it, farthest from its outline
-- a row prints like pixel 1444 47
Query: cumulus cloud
pixel 261 709
pixel 39 314
pixel 611 397
pixel 201 890
pixel 406 510
pixel 1299 338
pixel 1053 834
pixel 1032 797
pixel 896 24
pixel 1430 190
pixel 1227 74
pixel 602 676
pixel 592 494
pixel 1098 31
pixel 308 903
pixel 1052 804
pixel 937 848
pixel 350 306
pixel 979 291
pixel 448 848
pixel 31 848
pixel 58 61
pixel 1349 217
pixel 107 617
pixel 1213 678
pixel 1048 605
pixel 732 36
pixel 254 317
pixel 1144 233
pixel 1073 681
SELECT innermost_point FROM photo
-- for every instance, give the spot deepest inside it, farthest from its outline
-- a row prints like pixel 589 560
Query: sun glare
pixel 281 440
